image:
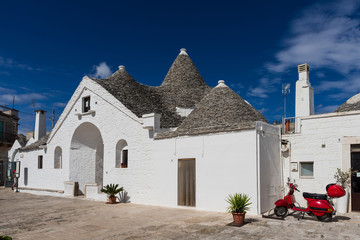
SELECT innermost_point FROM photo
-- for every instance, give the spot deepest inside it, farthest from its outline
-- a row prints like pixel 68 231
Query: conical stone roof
pixel 216 110
pixel 352 104
pixel 138 98
pixel 221 110
pixel 183 85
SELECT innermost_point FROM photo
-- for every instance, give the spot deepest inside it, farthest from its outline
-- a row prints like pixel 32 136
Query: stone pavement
pixel 28 216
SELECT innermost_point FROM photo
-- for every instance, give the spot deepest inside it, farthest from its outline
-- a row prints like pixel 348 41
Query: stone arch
pixel 86 156
pixel 58 158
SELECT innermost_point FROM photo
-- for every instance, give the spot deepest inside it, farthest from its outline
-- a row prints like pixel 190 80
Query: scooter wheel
pixel 280 211
pixel 325 218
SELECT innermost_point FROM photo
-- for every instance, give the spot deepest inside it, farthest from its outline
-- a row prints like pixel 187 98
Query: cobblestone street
pixel 27 216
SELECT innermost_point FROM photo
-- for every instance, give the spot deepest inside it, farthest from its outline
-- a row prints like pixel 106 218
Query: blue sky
pixel 46 47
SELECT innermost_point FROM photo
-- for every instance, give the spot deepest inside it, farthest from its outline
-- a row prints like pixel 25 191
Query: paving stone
pixel 27 216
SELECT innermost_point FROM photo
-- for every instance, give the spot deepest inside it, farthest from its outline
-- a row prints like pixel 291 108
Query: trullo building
pixel 179 144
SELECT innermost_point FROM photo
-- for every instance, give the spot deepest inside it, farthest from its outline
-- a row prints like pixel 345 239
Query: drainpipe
pixel 258 132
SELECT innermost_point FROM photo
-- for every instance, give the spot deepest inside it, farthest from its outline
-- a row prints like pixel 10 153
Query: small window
pixel 40 162
pixel 1 130
pixel 307 169
pixel 86 104
pixel 26 176
pixel 124 162
pixel 121 160
pixel 58 158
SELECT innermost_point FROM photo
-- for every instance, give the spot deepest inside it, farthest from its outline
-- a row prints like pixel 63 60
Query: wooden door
pixel 355 178
pixel 186 182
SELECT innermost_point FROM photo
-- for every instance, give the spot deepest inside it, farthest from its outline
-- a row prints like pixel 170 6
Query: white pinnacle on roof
pixel 121 67
pixel 221 83
pixel 183 51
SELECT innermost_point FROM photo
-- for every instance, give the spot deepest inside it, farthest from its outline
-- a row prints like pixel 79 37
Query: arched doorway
pixel 86 156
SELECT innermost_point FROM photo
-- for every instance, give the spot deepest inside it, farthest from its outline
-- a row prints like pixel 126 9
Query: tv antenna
pixel 285 91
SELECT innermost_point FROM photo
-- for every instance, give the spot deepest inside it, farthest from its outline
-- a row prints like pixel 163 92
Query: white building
pixel 314 146
pixel 179 144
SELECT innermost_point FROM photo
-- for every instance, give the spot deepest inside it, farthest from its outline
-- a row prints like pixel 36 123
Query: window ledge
pixel 303 177
pixel 85 113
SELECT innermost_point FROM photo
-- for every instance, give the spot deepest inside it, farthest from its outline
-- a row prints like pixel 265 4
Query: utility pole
pixel 285 91
pixel 53 118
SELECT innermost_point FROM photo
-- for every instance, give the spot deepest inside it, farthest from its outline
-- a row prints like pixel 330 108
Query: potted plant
pixel 111 190
pixel 343 179
pixel 123 165
pixel 238 205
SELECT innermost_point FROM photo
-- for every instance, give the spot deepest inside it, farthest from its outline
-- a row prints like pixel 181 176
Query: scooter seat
pixel 315 196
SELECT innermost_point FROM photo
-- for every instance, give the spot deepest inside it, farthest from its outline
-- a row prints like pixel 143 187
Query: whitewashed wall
pixel 270 169
pixel 329 130
pixel 115 122
pixel 225 163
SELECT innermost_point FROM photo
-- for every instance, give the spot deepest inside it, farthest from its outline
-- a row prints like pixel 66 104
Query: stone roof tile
pixel 41 142
pixel 352 104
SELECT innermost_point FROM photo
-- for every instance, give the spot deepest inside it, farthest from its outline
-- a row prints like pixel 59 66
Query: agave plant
pixel 239 203
pixel 112 189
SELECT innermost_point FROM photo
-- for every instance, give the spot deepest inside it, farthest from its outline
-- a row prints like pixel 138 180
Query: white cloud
pixel 20 98
pixel 237 85
pixel 326 109
pixel 346 87
pixel 265 87
pixel 10 63
pixel 325 35
pixel 59 104
pixel 102 70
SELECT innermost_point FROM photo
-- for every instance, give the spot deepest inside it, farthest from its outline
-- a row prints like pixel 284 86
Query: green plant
pixel 112 189
pixel 4 237
pixel 343 178
pixel 239 203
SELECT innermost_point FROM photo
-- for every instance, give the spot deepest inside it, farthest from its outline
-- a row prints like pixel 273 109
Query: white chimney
pixel 40 124
pixel 304 95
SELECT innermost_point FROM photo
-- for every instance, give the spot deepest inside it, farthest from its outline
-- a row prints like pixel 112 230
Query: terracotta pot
pixel 112 200
pixel 123 166
pixel 239 218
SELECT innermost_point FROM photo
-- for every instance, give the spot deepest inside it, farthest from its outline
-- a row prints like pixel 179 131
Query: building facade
pixel 8 134
pixel 179 144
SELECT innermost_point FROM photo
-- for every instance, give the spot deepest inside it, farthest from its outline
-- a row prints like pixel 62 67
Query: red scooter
pixel 319 205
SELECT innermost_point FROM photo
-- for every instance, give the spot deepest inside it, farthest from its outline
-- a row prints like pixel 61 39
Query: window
pixel 1 130
pixel 307 169
pixel 124 162
pixel 86 104
pixel 26 176
pixel 40 162
pixel 57 158
pixel 121 154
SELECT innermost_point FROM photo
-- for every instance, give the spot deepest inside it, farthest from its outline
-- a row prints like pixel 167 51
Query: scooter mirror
pixel 288 179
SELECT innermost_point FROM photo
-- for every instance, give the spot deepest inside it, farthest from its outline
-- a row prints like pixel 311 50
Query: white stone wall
pixel 115 122
pixel 270 169
pixel 321 140
pixel 226 163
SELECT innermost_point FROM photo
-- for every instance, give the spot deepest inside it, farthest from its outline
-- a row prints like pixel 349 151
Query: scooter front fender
pixel 281 203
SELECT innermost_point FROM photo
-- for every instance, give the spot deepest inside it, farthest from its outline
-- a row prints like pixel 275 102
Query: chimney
pixel 304 95
pixel 40 124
